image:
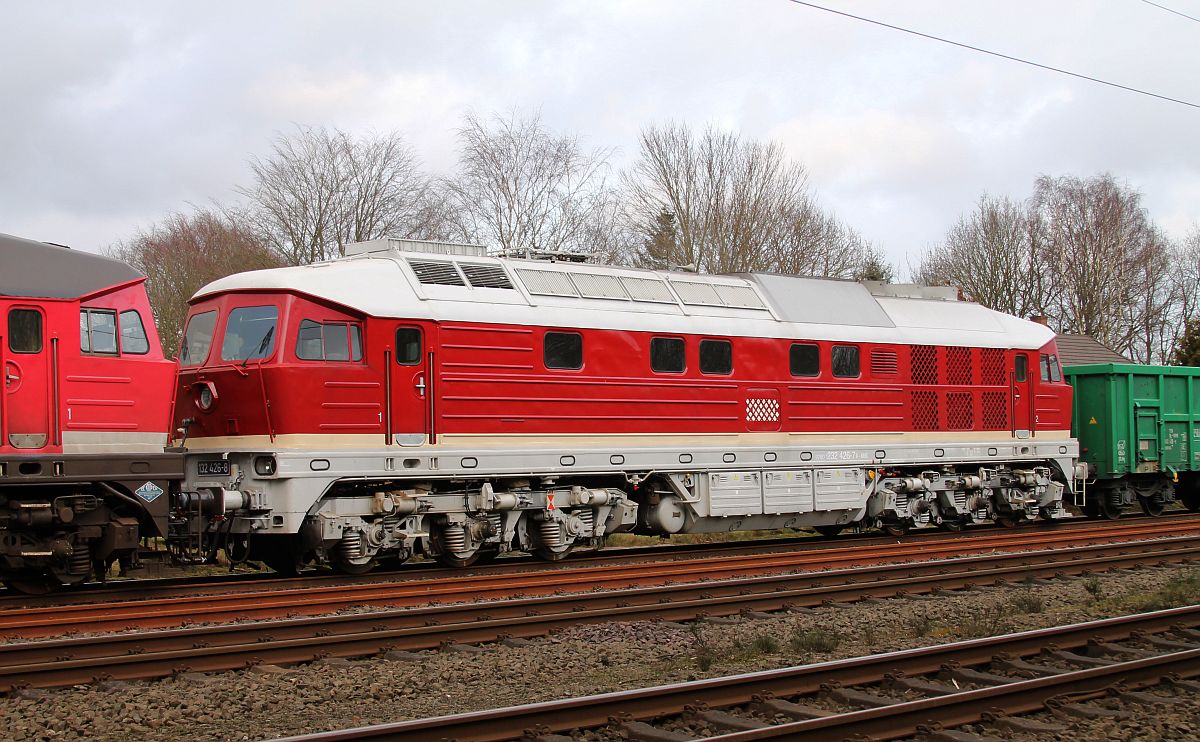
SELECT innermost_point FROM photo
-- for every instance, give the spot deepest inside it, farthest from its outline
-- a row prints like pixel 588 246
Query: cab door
pixel 1022 394
pixel 26 397
pixel 413 410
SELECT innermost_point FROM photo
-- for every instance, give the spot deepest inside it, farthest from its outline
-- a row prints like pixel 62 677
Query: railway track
pixel 153 654
pixel 32 622
pixel 141 589
pixel 885 696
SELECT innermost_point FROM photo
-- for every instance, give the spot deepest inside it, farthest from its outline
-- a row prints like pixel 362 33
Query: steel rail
pixel 207 649
pixel 882 723
pixel 41 622
pixel 142 589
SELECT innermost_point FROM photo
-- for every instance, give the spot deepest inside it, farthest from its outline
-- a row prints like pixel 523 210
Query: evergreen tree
pixel 1187 347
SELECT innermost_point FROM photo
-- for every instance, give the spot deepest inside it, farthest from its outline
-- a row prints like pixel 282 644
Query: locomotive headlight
pixel 206 395
pixel 264 466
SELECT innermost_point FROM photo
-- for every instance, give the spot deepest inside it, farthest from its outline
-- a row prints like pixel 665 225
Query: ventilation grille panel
pixel 995 411
pixel 439 272
pixel 702 294
pixel 991 366
pixel 959 413
pixel 958 366
pixel 599 286
pixel 648 289
pixel 483 276
pixel 547 283
pixel 924 409
pixel 924 365
pixel 740 296
pixel 884 363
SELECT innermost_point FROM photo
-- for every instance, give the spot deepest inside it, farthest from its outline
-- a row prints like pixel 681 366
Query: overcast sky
pixel 115 114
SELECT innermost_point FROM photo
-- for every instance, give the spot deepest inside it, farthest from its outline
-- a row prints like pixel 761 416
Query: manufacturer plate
pixel 215 468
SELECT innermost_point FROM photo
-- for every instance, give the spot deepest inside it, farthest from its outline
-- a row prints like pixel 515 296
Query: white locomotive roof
pixel 402 283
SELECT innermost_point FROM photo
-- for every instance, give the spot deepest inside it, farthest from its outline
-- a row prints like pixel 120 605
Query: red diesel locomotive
pixel 418 397
pixel 83 415
pixel 426 398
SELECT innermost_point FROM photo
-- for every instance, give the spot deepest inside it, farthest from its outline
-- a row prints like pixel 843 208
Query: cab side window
pixel 133 333
pixel 98 331
pixel 329 341
pixel 24 331
pixel 408 346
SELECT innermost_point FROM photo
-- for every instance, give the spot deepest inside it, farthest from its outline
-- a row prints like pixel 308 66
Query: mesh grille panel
pixel 740 296
pixel 597 286
pixel 995 411
pixel 959 415
pixel 486 276
pixel 697 293
pixel 436 272
pixel 924 409
pixel 991 366
pixel 924 364
pixel 958 366
pixel 648 289
pixel 547 283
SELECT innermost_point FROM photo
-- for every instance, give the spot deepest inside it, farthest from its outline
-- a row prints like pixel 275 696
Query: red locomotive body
pixel 83 414
pixel 417 396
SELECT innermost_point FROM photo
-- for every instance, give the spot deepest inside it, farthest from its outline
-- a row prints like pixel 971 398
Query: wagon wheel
pixel 1110 505
pixel 1191 498
pixel 1152 505
pixel 830 531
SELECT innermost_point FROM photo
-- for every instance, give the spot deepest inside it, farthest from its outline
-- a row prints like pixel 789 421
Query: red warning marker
pixel 550 501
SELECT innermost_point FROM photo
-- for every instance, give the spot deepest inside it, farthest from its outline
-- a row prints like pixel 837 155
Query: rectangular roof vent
pixel 486 276
pixel 697 293
pixel 392 244
pixel 599 286
pixel 648 289
pixel 547 283
pixel 436 272
pixel 740 296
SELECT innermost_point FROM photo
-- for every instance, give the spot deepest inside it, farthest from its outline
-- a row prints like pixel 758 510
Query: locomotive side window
pixel 133 333
pixel 24 331
pixel 716 357
pixel 249 333
pixel 1020 372
pixel 845 361
pixel 408 346
pixel 197 339
pixel 329 341
pixel 1045 363
pixel 667 355
pixel 805 360
pixel 1055 369
pixel 98 331
pixel 563 350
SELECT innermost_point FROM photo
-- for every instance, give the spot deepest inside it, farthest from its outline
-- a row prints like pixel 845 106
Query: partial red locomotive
pixel 83 415
pixel 426 398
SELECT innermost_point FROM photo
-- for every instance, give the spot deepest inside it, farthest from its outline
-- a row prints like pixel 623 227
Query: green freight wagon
pixel 1139 433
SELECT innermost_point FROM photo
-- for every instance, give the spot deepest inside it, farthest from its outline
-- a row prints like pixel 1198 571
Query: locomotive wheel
pixel 487 555
pixel 829 531
pixel 40 584
pixel 1007 521
pixel 954 526
pixel 1151 505
pixel 457 562
pixel 894 529
pixel 351 568
pixel 553 553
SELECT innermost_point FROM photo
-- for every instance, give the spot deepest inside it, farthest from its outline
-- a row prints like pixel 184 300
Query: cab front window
pixel 249 333
pixel 197 339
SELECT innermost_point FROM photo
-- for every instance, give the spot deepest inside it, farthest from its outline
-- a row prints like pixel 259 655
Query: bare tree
pixel 992 255
pixel 519 186
pixel 1107 258
pixel 183 253
pixel 737 205
pixel 320 189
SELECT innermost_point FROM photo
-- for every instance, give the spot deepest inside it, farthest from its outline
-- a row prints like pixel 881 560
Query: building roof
pixel 1081 350
pixel 408 280
pixel 44 271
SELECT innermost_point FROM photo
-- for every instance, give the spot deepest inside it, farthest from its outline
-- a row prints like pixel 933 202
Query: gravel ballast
pixel 266 702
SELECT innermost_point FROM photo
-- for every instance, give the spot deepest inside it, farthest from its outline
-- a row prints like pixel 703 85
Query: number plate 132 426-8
pixel 217 468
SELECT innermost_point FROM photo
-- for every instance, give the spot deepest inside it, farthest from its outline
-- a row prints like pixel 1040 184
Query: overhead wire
pixel 1172 10
pixel 1009 57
